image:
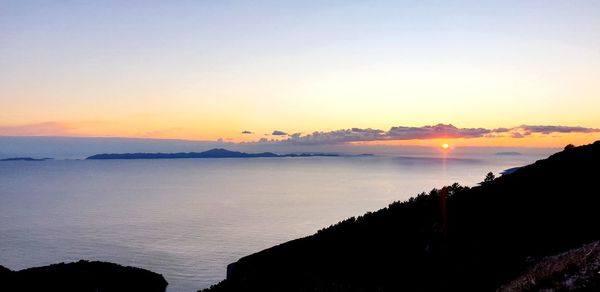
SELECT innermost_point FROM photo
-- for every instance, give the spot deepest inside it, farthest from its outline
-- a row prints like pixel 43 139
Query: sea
pixel 188 218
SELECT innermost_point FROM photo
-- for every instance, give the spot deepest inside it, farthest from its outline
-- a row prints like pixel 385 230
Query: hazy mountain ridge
pixel 213 153
pixel 25 159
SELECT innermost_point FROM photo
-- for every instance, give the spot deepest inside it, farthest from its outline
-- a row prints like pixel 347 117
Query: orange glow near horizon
pixel 533 141
pixel 208 128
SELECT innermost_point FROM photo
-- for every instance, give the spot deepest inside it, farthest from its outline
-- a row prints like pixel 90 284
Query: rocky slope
pixel 575 270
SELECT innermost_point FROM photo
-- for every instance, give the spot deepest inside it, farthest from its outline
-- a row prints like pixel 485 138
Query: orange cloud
pixel 439 131
pixel 38 129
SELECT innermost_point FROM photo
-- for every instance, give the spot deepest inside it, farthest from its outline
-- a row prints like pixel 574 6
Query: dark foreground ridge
pixel 82 276
pixel 213 153
pixel 452 239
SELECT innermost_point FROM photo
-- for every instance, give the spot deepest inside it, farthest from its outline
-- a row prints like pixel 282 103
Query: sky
pixel 472 73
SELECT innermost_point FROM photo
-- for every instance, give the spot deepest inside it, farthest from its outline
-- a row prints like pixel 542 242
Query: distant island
pixel 25 159
pixel 509 153
pixel 213 153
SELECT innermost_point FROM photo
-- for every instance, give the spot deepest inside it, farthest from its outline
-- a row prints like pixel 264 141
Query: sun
pixel 445 146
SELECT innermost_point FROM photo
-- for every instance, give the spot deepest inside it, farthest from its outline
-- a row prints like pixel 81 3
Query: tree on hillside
pixel 488 178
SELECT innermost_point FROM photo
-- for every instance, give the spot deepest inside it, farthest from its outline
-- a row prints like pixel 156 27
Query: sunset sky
pixel 509 73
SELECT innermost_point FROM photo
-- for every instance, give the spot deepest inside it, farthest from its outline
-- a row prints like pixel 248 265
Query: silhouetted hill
pixel 452 239
pixel 4 271
pixel 213 153
pixel 82 276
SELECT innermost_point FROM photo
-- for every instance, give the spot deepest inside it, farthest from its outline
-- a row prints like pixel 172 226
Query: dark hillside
pixel 82 276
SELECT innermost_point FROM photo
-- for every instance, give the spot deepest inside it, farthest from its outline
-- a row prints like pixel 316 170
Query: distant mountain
pixel 213 153
pixel 451 239
pixel 24 159
pixel 510 170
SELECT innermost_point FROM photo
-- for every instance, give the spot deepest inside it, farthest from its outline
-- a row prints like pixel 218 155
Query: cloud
pixel 556 129
pixel 161 132
pixel 394 133
pixel 517 135
pixel 419 133
pixel 501 130
pixel 38 129
pixel 336 137
pixel 437 131
pixel 246 132
pixel 279 133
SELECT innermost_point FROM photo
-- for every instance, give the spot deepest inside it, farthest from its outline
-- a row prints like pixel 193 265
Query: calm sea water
pixel 187 219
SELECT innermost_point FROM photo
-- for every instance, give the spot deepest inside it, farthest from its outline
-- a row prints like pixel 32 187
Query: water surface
pixel 188 218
